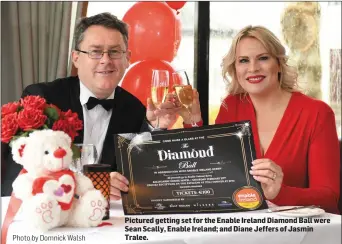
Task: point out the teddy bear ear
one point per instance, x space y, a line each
18 149
65 136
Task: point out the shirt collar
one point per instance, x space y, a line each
85 93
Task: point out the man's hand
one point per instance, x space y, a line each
167 112
118 183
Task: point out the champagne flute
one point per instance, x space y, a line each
159 88
88 155
184 91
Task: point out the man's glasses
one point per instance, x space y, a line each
98 54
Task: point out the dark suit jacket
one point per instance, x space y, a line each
128 116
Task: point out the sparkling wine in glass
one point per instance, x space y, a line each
183 90
88 155
159 88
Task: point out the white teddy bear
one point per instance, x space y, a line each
51 194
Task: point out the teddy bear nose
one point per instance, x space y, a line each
59 153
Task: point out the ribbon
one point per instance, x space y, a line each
105 224
13 207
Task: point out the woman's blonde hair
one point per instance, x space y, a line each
288 75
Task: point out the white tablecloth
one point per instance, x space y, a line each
328 233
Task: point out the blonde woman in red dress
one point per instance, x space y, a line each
298 155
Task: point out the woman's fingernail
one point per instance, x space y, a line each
253 162
252 167
251 172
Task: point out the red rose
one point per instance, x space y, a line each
64 126
31 118
9 127
69 123
72 119
35 102
9 108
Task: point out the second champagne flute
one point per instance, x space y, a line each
159 88
184 91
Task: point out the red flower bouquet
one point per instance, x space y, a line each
33 113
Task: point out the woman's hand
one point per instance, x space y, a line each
118 183
193 114
269 174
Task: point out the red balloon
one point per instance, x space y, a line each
154 31
176 5
178 37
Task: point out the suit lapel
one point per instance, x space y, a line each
75 106
117 106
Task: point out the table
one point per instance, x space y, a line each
329 233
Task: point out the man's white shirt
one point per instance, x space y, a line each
95 121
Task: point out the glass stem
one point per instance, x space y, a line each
157 126
193 124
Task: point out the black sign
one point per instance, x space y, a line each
202 169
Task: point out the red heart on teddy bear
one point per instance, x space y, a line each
66 188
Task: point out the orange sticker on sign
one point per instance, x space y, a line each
247 197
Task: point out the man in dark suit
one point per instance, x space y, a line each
101 56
